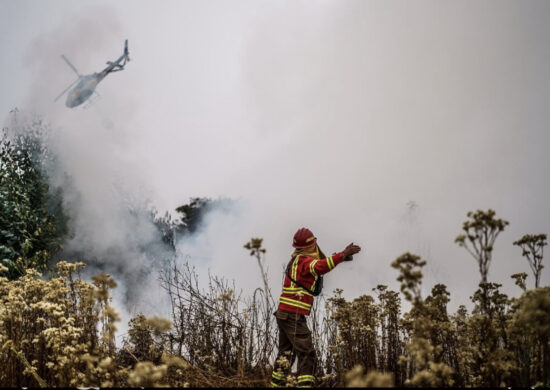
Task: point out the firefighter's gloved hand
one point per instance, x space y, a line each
350 250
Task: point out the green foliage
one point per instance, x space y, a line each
29 233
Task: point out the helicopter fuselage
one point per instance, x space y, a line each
82 91
85 87
87 84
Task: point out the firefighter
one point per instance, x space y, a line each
302 274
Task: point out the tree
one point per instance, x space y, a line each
481 231
532 246
193 213
29 234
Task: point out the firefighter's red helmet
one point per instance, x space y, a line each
304 238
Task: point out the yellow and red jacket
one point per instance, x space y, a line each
305 270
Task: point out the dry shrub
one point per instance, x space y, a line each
356 378
60 332
218 332
52 323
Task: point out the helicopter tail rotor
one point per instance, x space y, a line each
126 52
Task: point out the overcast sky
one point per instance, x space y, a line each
334 115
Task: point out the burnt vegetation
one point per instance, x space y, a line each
59 330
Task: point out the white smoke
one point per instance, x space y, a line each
331 116
105 183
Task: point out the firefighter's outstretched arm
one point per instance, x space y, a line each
320 267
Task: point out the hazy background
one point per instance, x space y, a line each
381 123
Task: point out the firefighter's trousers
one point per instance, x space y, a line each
294 341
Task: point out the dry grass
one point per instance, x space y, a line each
60 332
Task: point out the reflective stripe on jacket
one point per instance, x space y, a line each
305 270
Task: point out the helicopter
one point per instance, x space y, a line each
87 83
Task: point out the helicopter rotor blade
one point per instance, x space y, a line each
65 90
70 65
